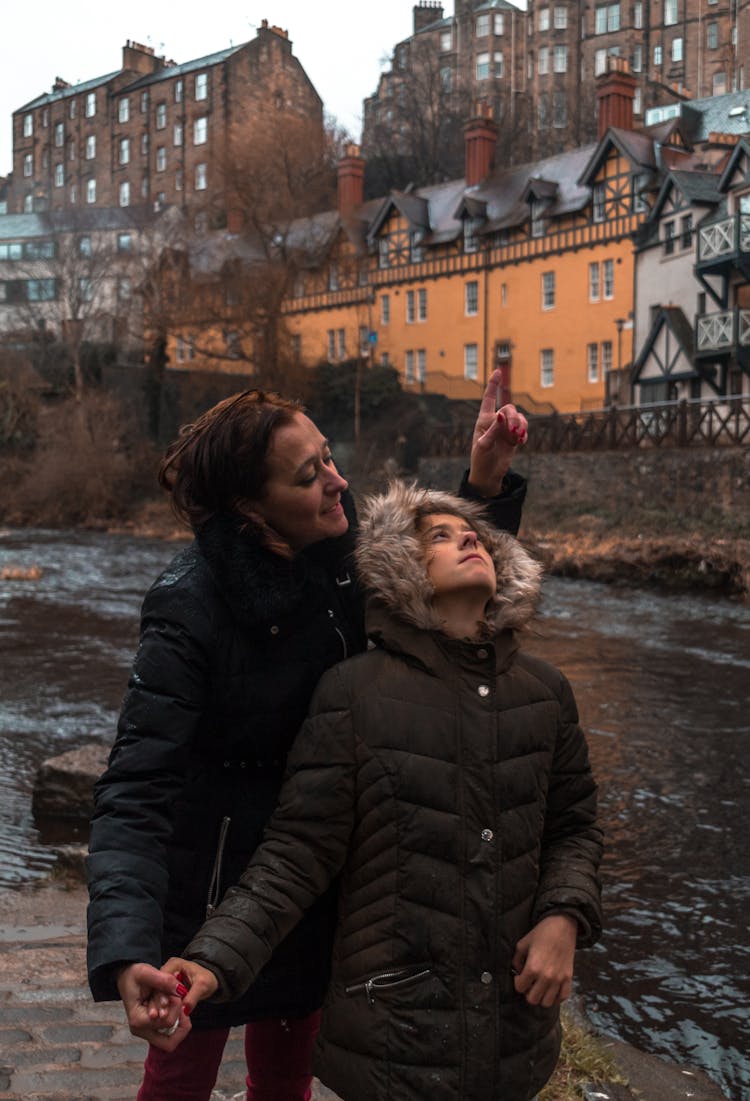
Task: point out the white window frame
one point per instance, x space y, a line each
385 309
606 357
91 190
608 279
161 159
90 109
594 281
408 366
124 193
548 290
483 66
446 41
201 86
498 67
547 368
670 13
560 58
499 24
410 307
59 175
421 364
91 147
201 177
471 298
200 130
542 61
28 164
28 126
124 156
422 304
543 19
561 18
482 26
160 117
592 362
123 109
471 361
677 51
59 135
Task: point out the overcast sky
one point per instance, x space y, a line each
340 43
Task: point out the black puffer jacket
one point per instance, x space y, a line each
449 782
234 640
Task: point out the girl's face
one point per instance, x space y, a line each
301 501
456 561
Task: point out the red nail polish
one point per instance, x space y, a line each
186 1010
181 990
181 977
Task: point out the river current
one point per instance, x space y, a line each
662 688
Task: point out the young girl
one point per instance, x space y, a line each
444 776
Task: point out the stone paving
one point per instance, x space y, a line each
57 1045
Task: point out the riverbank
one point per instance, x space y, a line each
56 1045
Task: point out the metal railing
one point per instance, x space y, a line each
719 422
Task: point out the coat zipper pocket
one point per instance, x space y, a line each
389 980
214 887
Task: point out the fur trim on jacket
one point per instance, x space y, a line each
390 558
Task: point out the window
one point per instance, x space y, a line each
657 55
592 361
607 19
547 367
483 66
422 304
124 242
471 298
144 186
471 231
543 60
28 125
90 191
416 251
677 49
333 277
28 164
670 12
482 26
84 246
543 19
59 176
719 84
561 59
638 102
201 86
201 177
409 366
28 204
446 78
177 134
71 151
593 282
45 118
471 361
144 102
384 253
123 110
124 193
669 236
638 15
59 134
559 109
637 62
124 150
161 159
161 116
178 87
421 364
600 62
503 294
385 309
499 23
40 290
613 17
498 64
606 356
548 290
687 231
342 343
561 19
446 41
608 278
124 289
86 289
90 105
598 200
537 218
600 21
91 147
331 344
411 312
39 250
200 131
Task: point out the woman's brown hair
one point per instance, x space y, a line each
221 460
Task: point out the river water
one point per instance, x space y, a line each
662 687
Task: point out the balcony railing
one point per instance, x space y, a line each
722 331
725 239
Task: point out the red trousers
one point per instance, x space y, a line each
278 1056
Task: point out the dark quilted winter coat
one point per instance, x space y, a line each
234 640
448 783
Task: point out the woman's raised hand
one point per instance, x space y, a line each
497 434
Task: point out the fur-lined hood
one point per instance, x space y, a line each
390 558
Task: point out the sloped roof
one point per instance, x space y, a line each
698 187
64 93
717 115
171 71
675 318
17 227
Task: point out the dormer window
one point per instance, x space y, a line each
537 217
471 234
384 252
416 248
598 202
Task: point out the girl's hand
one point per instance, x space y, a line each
201 982
543 961
497 434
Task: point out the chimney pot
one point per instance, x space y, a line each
480 139
351 180
615 94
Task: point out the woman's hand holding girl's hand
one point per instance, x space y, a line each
153 1004
201 982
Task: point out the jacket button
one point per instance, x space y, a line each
485 978
487 835
483 690
482 653
274 630
226 764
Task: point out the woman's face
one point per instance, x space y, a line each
301 501
456 561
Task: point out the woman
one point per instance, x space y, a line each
445 777
235 636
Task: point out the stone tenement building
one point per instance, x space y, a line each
154 132
536 68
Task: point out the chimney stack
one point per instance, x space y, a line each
480 139
351 180
615 93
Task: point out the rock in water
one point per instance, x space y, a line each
64 785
